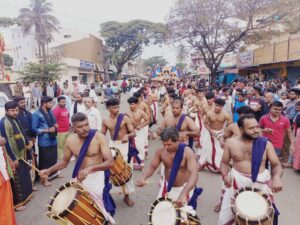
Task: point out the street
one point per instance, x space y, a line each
288 201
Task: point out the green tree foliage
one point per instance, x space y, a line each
125 41
41 72
38 17
181 66
217 27
8 61
155 61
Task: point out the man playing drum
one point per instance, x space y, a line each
181 173
139 119
93 160
121 131
249 153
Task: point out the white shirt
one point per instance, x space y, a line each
26 91
93 95
3 169
80 108
81 88
133 90
95 119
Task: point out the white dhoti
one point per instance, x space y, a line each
155 110
211 153
239 181
202 128
94 184
128 188
145 131
174 195
139 144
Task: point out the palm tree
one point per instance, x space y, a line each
38 17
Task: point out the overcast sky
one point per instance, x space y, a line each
86 15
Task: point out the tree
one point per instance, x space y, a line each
181 66
41 72
181 54
125 41
217 27
155 61
6 21
8 60
38 17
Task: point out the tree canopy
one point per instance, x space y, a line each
38 17
6 21
155 61
125 41
217 27
7 60
41 72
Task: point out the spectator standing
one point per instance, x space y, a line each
78 105
256 102
269 98
228 101
108 91
27 95
37 94
62 118
93 95
50 90
93 114
274 126
44 124
124 86
18 89
81 87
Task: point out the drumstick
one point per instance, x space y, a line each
33 167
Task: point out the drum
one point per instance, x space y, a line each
164 212
71 204
251 206
121 172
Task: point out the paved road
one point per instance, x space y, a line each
288 201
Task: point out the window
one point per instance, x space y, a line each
67 36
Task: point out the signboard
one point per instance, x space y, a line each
87 65
228 61
244 59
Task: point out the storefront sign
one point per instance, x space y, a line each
87 65
245 59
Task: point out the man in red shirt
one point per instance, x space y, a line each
274 125
62 118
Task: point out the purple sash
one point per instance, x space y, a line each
83 151
178 127
258 150
118 125
174 171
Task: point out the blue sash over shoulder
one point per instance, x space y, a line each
174 171
258 150
108 201
178 127
132 151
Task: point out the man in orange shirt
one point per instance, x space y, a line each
7 214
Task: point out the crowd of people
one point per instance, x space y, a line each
246 131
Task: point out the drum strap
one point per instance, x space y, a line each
83 152
178 127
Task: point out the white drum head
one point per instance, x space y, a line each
164 213
251 204
63 200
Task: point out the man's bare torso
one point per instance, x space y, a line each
183 173
241 155
93 155
216 120
110 123
135 117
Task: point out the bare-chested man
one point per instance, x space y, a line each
96 160
185 179
141 95
212 152
232 130
121 131
139 119
241 150
184 124
210 102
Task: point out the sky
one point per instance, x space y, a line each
85 16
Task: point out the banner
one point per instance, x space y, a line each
245 59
